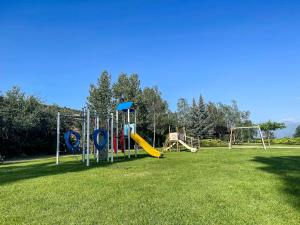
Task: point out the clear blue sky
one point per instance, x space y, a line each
243 50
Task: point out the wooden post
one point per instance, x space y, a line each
230 141
262 138
154 125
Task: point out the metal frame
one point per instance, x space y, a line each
129 132
125 121
57 138
85 141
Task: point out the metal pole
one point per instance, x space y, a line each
123 130
108 136
128 121
88 139
97 127
112 139
135 131
57 137
83 135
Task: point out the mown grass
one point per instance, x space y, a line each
213 186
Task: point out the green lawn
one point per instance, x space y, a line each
213 186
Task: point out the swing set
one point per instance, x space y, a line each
237 136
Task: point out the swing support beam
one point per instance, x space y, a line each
245 127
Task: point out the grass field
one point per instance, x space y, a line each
213 186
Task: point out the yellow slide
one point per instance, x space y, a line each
144 144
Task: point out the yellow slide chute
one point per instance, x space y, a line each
144 144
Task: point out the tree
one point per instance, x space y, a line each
127 87
100 97
156 112
233 116
200 125
194 119
183 110
28 126
206 128
120 89
217 119
269 127
297 132
134 92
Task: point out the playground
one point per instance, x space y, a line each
216 186
112 175
104 144
149 113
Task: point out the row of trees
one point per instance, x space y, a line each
269 128
153 111
201 119
28 126
208 120
297 132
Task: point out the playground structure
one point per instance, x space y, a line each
233 139
180 138
105 141
130 130
82 142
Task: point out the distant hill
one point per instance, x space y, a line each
288 131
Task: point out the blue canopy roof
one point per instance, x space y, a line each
124 106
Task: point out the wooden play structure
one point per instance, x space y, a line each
179 140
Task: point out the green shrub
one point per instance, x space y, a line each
286 141
282 141
213 143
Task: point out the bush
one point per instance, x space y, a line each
282 141
28 126
286 141
213 143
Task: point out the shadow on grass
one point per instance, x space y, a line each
14 172
288 169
